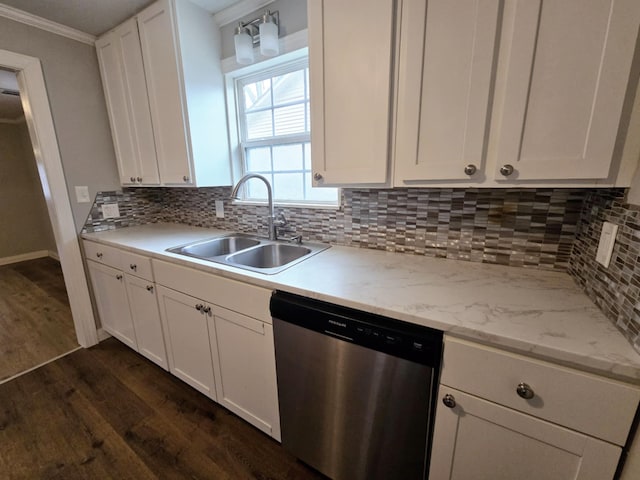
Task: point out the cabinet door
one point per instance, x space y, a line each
187 339
112 302
567 70
447 54
143 304
481 440
138 103
110 61
350 66
245 369
164 83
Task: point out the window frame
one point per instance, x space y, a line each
236 118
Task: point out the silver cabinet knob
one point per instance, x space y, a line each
506 170
149 288
470 169
317 177
185 178
133 179
207 310
449 401
525 391
118 277
99 254
139 179
133 266
199 307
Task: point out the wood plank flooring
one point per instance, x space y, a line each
35 319
107 412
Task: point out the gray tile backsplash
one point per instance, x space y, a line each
554 229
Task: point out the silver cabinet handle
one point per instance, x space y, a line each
199 307
506 170
207 310
525 391
449 401
118 277
317 177
133 179
149 288
133 267
470 169
99 254
185 178
139 179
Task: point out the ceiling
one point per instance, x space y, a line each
10 105
96 16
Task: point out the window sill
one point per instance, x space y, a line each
314 206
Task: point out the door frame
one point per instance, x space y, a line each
37 112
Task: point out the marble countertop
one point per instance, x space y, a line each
539 313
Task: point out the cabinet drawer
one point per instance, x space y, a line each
237 296
137 265
594 405
102 254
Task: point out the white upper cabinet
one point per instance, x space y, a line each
173 88
565 76
448 49
351 48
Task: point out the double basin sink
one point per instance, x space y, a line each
249 252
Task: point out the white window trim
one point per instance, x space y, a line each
236 150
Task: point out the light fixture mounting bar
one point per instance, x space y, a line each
252 26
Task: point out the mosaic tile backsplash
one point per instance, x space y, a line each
616 289
519 227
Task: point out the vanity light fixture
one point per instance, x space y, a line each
263 31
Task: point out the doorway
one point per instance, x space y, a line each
35 318
35 103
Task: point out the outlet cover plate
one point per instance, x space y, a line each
219 209
82 194
110 210
607 241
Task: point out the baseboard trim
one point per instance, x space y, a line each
102 334
24 256
54 255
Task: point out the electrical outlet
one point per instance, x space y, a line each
82 195
219 209
607 241
110 210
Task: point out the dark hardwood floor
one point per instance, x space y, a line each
107 412
35 319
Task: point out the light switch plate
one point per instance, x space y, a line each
607 241
110 210
219 209
82 195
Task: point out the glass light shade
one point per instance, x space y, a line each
244 48
269 45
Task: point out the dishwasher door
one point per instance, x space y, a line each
348 410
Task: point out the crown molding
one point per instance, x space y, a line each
239 10
44 24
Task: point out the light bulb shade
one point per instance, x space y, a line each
244 48
269 44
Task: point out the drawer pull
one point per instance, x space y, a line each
449 401
118 277
133 266
149 288
207 310
525 391
199 307
99 255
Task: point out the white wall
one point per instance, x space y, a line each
77 105
23 212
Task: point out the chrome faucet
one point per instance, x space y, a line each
271 218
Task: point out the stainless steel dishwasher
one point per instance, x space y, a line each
356 390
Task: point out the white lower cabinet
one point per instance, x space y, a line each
501 416
143 305
111 300
481 440
187 338
245 368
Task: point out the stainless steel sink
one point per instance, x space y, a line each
216 247
250 253
269 256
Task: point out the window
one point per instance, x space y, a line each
274 135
